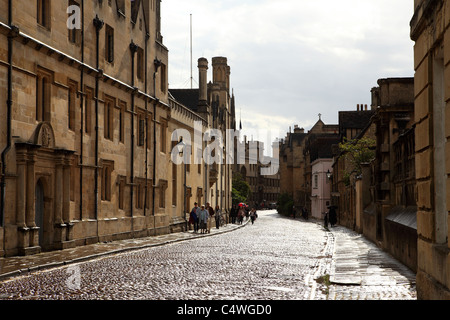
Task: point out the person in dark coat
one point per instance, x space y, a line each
193 218
332 216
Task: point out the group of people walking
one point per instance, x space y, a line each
201 216
237 215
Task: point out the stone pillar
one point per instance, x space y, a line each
30 190
60 227
21 157
66 191
31 205
66 202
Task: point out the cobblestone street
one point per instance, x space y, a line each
276 258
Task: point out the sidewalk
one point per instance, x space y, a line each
361 270
18 265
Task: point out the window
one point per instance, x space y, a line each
316 181
88 110
140 64
122 108
141 130
109 44
163 78
109 118
44 80
122 182
163 135
43 13
174 184
121 6
73 88
107 169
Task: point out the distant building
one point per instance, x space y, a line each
297 153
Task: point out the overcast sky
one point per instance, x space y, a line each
291 59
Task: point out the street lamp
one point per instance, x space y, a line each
181 149
329 174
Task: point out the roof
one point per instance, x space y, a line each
355 119
187 97
404 216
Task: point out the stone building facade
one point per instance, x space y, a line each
297 151
213 102
429 31
86 123
265 188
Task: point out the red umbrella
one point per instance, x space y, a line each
241 204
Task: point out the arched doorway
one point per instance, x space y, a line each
39 207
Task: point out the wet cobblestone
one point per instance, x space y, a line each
275 259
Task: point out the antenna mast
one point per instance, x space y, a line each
191 52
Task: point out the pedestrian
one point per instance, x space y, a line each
253 215
193 218
293 211
332 216
203 218
233 214
325 220
305 213
211 214
217 215
241 214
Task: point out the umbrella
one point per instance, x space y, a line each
241 204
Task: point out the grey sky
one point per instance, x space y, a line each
292 59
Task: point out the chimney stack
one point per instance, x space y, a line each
203 80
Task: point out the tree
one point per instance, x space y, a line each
357 151
285 204
240 189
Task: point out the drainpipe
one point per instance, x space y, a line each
81 107
98 24
133 49
157 64
14 32
147 38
